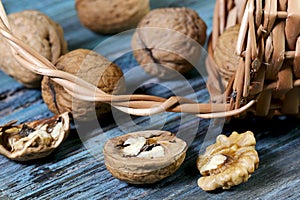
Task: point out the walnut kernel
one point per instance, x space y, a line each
228 162
111 16
40 33
214 163
133 146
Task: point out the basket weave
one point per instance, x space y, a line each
268 47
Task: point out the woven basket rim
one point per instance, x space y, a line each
263 25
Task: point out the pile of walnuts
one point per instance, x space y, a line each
171 48
166 43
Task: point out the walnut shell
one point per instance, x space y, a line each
228 162
93 68
144 157
39 32
224 55
112 16
171 38
32 140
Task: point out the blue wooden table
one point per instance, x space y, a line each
76 169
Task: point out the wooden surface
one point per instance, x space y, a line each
76 169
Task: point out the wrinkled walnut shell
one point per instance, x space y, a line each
32 140
171 38
40 33
112 16
136 169
224 55
228 162
93 68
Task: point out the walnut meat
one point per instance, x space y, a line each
112 16
91 67
35 139
40 33
171 38
228 162
224 55
144 157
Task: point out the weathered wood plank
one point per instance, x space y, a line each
76 169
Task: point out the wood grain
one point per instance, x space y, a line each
76 169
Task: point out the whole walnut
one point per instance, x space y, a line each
40 33
91 67
111 16
171 38
224 55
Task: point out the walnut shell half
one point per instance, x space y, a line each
144 157
228 162
34 139
40 33
171 38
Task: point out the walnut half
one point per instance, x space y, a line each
228 162
144 157
35 139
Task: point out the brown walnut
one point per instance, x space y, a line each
144 157
91 67
40 33
224 55
171 38
228 162
34 139
111 16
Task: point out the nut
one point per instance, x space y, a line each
35 139
93 68
144 157
228 162
171 38
224 55
133 146
214 163
39 32
112 16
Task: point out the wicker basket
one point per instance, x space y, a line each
268 47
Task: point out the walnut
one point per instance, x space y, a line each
39 32
170 38
93 68
34 139
228 162
112 16
224 54
144 157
